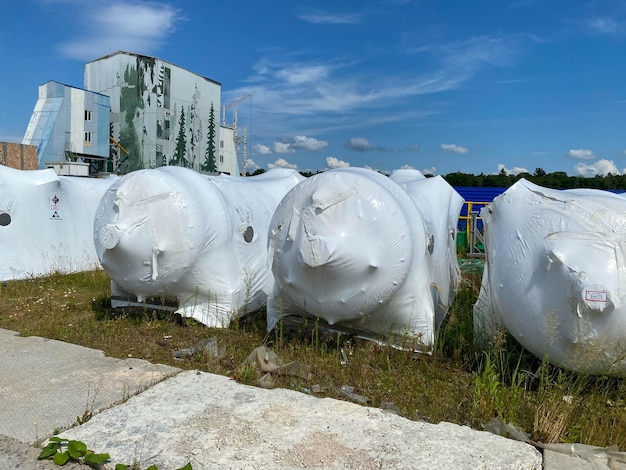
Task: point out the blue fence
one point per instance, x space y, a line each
475 200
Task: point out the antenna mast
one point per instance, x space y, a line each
236 139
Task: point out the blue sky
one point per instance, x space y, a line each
440 86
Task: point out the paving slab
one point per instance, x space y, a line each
582 457
45 385
212 421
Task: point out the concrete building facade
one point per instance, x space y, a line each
161 114
69 124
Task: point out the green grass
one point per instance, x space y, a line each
456 383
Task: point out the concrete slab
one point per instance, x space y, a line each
559 461
214 422
46 384
582 457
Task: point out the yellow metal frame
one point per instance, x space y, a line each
474 238
468 218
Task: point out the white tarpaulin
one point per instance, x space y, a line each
371 253
200 240
555 275
46 222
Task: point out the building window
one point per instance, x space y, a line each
221 158
87 137
88 115
221 144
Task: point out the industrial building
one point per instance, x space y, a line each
161 114
135 112
69 124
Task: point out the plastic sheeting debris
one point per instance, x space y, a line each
265 360
497 426
46 222
200 240
208 347
555 275
357 249
472 265
348 392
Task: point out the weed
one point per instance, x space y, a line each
246 374
91 403
457 383
37 442
280 338
249 277
62 451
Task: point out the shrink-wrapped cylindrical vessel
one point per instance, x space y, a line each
46 222
555 275
351 246
200 240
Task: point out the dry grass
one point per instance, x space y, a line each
456 383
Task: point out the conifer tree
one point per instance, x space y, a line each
179 158
209 164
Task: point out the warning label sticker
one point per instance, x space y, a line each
596 295
54 208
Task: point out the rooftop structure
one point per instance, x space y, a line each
69 124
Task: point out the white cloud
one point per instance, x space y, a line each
601 167
330 18
282 163
333 94
299 74
251 165
262 149
122 25
360 144
516 170
454 148
477 51
301 142
581 154
283 147
464 58
333 162
604 25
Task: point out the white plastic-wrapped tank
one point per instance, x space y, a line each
46 222
555 275
364 252
172 233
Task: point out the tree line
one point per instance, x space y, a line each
555 180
